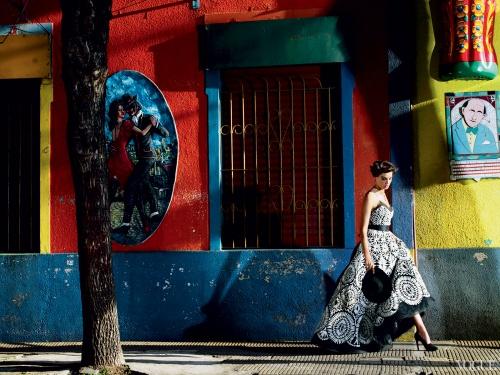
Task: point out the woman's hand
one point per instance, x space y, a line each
369 265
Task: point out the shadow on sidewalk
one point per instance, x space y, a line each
42 347
37 366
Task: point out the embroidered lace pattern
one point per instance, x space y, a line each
350 318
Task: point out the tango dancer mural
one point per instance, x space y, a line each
142 156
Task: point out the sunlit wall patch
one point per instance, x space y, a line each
142 150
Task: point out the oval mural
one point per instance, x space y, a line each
142 149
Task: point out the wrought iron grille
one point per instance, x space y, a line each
281 168
20 187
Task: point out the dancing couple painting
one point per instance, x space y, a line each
142 156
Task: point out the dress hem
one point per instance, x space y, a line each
384 335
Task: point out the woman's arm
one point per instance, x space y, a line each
144 131
368 204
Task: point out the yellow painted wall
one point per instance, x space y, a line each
449 214
46 94
25 56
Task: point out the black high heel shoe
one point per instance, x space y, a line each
430 347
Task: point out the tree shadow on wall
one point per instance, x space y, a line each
176 63
265 295
437 27
428 131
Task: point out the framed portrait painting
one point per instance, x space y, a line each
472 129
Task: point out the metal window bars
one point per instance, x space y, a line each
281 168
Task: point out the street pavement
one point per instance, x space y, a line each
259 358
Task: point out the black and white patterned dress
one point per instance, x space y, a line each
351 322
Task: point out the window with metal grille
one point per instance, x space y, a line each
20 186
281 163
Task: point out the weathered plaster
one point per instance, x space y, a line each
265 295
464 284
234 295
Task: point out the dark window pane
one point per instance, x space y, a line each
20 185
281 167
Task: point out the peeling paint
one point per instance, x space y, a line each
480 257
242 277
167 285
10 318
19 299
210 292
286 267
298 320
332 266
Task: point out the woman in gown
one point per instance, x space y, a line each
352 323
119 164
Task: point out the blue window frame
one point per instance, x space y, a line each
213 92
303 41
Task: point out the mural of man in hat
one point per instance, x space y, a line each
138 184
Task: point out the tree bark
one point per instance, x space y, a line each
85 29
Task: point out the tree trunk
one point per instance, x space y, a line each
85 29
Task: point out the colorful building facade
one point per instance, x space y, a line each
188 279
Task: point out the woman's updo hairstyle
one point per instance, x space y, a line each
382 166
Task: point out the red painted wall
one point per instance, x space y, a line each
159 39
371 119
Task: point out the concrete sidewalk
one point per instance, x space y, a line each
217 358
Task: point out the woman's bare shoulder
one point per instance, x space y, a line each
371 198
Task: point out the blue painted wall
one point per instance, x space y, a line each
265 295
233 295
